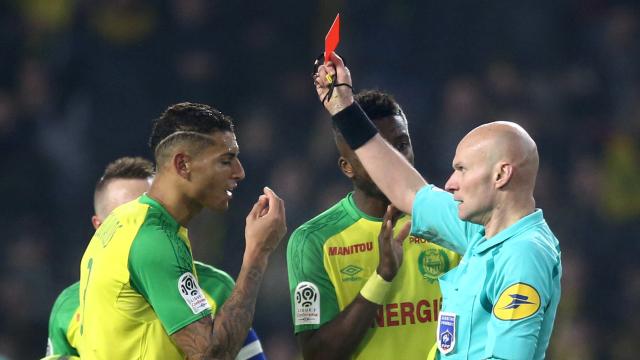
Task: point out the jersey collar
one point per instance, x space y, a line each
355 212
145 199
531 220
358 214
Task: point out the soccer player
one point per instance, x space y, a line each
331 257
501 301
139 295
124 180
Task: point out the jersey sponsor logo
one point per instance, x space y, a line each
432 263
446 332
307 306
351 271
351 249
416 240
518 301
407 313
192 294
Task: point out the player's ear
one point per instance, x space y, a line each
503 174
96 222
345 166
182 165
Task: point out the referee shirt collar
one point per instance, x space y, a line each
527 222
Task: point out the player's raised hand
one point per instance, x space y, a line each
333 84
266 225
391 247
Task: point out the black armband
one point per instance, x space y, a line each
354 125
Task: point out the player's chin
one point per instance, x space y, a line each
218 205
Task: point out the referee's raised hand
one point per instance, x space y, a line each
390 247
334 79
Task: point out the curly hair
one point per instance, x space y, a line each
377 104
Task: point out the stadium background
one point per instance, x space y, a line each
80 81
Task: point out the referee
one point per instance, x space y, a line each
501 301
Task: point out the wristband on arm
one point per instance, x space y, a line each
354 125
376 289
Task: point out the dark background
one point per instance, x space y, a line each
80 81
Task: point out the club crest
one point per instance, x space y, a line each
432 263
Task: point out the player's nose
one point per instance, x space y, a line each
238 173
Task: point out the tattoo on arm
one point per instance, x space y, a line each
234 319
222 339
195 339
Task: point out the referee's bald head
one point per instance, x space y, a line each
495 168
509 143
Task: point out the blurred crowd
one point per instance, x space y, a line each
81 80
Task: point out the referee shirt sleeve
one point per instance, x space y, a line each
161 269
521 294
434 217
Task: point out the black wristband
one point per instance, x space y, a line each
354 125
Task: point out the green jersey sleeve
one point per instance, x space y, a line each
434 217
216 283
313 297
161 269
62 312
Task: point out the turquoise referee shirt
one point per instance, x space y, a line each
501 301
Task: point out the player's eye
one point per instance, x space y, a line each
402 146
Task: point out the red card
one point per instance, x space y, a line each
332 39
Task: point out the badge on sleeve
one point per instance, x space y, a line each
192 294
446 332
517 302
307 306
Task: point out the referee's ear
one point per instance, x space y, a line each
504 172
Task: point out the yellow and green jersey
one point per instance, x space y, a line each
137 285
64 321
330 258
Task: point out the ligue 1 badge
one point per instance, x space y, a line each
446 332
